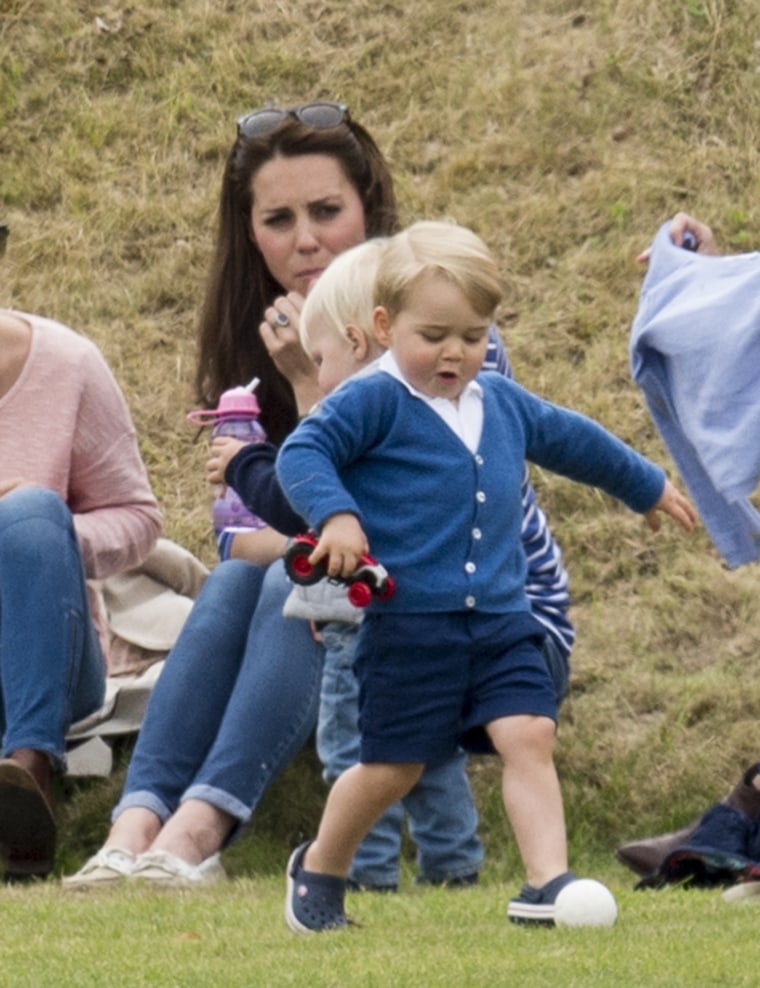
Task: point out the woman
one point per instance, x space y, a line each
240 691
72 511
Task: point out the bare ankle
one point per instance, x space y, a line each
134 830
195 832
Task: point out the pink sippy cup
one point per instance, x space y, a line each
237 415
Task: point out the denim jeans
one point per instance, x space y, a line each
235 702
52 670
440 809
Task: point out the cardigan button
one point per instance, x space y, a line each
469 601
470 567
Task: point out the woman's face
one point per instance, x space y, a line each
305 212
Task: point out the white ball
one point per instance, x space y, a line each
585 902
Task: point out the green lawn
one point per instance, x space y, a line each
236 935
564 134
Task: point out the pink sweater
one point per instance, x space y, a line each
65 425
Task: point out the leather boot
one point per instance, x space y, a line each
27 823
37 764
645 856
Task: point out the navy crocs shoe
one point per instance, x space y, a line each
313 902
536 906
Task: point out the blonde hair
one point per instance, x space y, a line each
433 248
342 295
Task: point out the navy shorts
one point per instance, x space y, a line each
430 682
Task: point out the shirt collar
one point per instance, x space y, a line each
389 364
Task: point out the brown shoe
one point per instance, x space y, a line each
27 824
645 856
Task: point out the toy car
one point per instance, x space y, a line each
368 580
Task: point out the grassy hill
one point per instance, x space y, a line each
564 133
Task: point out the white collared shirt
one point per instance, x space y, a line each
465 418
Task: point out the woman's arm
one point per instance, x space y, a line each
116 515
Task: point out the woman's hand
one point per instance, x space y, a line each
280 335
223 448
672 502
681 225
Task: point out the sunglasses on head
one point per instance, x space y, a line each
321 116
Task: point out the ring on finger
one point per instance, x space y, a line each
281 319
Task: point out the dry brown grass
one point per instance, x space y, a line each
565 133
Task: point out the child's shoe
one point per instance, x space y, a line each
313 902
534 905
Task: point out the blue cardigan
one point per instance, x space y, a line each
445 522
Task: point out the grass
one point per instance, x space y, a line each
565 134
237 936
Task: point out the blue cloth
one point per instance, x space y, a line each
235 702
724 849
56 676
443 821
429 682
695 353
450 531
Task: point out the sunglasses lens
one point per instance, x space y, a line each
260 122
322 116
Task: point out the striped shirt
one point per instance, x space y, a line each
547 585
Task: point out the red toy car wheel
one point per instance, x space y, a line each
359 594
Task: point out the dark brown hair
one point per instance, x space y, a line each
240 286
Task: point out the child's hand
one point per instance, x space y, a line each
343 542
673 503
223 448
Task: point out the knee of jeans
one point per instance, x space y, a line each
22 510
234 575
